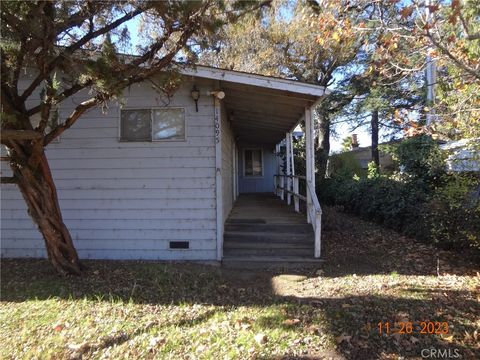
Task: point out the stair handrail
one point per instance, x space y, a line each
314 210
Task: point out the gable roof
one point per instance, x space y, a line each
245 78
261 109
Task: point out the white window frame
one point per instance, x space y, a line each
263 163
152 109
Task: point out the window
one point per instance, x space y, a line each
152 124
253 162
168 124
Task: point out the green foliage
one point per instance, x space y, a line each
379 199
347 143
452 214
299 156
448 216
345 165
372 171
423 202
421 158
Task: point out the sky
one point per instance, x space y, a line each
342 130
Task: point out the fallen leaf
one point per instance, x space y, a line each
448 338
406 11
290 322
261 338
200 348
343 338
154 341
79 349
312 329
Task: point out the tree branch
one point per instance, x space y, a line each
8 135
76 19
76 46
460 64
8 180
474 36
79 110
65 94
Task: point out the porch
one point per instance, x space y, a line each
262 228
254 119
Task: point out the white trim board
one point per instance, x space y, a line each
255 80
218 176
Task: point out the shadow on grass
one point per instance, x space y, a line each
351 320
81 350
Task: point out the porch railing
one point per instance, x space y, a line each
287 186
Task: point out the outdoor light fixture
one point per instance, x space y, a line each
195 96
219 94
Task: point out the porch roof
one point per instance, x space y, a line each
261 109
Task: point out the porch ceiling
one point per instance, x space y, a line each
263 115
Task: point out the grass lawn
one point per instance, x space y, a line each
184 311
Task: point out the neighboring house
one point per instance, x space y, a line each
156 178
462 155
361 156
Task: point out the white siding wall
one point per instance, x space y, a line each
227 165
127 200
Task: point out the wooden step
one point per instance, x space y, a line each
274 228
266 237
246 221
268 252
270 262
268 245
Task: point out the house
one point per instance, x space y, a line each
358 159
462 155
157 177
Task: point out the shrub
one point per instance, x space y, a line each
422 201
445 216
421 158
345 165
452 214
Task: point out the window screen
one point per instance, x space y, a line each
136 125
253 162
168 124
152 124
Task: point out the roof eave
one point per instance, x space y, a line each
255 80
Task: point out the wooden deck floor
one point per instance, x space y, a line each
261 228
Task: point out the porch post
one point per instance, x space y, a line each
237 192
234 169
312 148
218 176
289 180
277 172
294 179
309 157
292 158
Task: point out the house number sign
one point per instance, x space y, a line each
217 122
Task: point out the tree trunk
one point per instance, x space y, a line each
34 179
374 128
323 146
